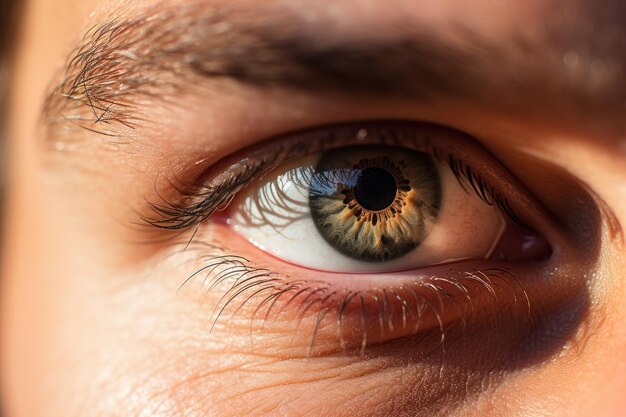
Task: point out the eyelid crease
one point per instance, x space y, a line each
217 187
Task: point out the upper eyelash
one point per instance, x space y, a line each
487 193
198 203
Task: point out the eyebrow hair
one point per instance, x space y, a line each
122 64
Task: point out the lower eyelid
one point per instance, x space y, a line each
329 313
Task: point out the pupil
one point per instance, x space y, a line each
375 189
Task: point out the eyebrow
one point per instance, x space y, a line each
124 63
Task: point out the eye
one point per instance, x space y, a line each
379 207
366 232
369 208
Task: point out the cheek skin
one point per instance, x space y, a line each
142 350
124 338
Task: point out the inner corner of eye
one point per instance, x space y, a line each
375 208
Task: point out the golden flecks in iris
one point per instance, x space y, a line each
402 189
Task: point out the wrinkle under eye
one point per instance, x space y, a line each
375 203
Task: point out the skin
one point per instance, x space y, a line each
92 321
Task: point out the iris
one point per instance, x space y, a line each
375 203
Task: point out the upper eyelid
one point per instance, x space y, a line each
218 184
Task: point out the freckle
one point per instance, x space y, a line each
571 59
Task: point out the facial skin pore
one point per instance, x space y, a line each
110 100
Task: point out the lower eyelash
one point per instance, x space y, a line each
359 318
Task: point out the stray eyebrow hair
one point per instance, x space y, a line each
122 64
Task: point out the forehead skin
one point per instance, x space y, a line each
51 30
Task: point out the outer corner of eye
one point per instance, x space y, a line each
378 207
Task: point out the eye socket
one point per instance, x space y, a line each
472 209
369 208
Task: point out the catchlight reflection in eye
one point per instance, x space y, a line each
371 208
